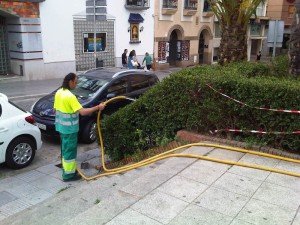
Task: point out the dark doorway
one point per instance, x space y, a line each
173 48
4 58
201 49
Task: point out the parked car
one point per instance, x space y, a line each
93 87
19 135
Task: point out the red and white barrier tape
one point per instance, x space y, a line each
256 131
254 107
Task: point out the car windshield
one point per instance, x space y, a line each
88 86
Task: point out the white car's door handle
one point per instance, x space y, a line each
2 129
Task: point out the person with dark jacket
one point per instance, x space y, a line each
124 58
258 56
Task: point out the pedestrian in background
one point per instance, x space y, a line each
67 110
148 60
132 62
258 56
124 58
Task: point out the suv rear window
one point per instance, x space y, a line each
139 82
119 87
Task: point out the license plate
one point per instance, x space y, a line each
41 126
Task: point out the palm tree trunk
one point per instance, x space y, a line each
294 47
233 45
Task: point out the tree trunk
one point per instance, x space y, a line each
233 46
294 47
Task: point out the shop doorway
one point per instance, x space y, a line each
173 48
201 48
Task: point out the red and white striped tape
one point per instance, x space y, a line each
254 107
256 131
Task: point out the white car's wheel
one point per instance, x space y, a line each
20 153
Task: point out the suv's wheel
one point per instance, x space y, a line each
20 153
89 132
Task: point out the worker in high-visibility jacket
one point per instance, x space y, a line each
67 110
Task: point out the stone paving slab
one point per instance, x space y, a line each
238 184
183 188
6 197
285 181
222 201
278 195
204 171
132 217
105 210
160 206
173 191
195 215
262 213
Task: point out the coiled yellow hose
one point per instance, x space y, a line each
167 154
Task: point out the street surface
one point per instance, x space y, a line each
24 94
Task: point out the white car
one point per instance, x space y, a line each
19 136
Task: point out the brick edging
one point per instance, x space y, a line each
189 136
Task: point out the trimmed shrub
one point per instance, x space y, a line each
184 101
280 66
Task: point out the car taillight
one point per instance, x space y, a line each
30 119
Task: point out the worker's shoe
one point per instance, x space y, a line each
76 177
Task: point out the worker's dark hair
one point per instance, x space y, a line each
65 84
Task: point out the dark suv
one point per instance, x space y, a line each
93 87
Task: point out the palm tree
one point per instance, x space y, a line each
233 16
294 46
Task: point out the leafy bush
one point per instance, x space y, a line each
250 69
184 101
280 66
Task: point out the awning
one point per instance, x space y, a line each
135 18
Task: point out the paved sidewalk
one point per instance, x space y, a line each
172 191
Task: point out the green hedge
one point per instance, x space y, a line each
184 101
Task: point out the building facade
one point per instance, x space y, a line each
134 27
44 39
282 10
183 33
20 36
256 34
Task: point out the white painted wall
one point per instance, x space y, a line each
57 29
58 34
121 14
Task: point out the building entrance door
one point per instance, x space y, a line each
201 49
4 59
173 48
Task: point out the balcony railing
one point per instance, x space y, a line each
137 4
190 5
170 4
169 7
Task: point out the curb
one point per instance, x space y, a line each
189 136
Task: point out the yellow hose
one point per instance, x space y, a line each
167 154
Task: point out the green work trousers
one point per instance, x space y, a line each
68 144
